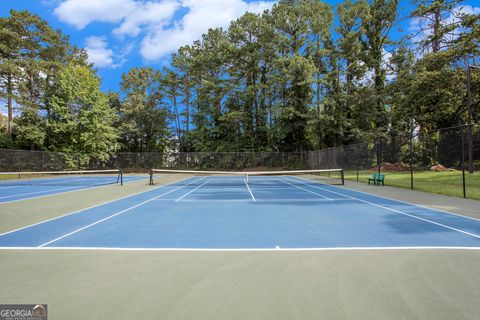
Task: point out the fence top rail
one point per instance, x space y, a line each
63 172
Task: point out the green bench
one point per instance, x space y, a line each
377 178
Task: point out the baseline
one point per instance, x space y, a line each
277 249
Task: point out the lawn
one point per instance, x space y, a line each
447 182
8 176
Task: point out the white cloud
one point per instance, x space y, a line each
158 23
202 15
82 12
467 9
421 27
151 14
98 52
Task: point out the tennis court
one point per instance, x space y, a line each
16 186
236 245
241 212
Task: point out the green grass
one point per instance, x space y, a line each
447 182
8 176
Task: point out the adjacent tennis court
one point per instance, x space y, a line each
16 186
241 211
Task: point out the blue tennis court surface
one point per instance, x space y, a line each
271 213
15 190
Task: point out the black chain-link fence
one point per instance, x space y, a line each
435 161
26 160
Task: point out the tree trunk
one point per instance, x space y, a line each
436 32
187 105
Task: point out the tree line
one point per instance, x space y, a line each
302 76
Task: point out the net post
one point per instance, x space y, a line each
120 172
342 174
151 177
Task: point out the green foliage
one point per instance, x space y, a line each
30 129
144 118
81 119
303 75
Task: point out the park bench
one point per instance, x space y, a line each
377 178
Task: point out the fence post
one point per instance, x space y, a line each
379 155
356 167
463 163
411 160
17 160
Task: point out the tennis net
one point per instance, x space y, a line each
62 178
260 178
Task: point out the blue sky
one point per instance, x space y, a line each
121 34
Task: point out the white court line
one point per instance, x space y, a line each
9 187
274 249
328 200
246 200
413 204
125 180
400 212
115 214
304 189
80 188
396 200
86 180
42 191
249 200
186 194
88 208
253 198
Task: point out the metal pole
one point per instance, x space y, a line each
379 151
356 167
411 161
470 136
463 164
470 117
